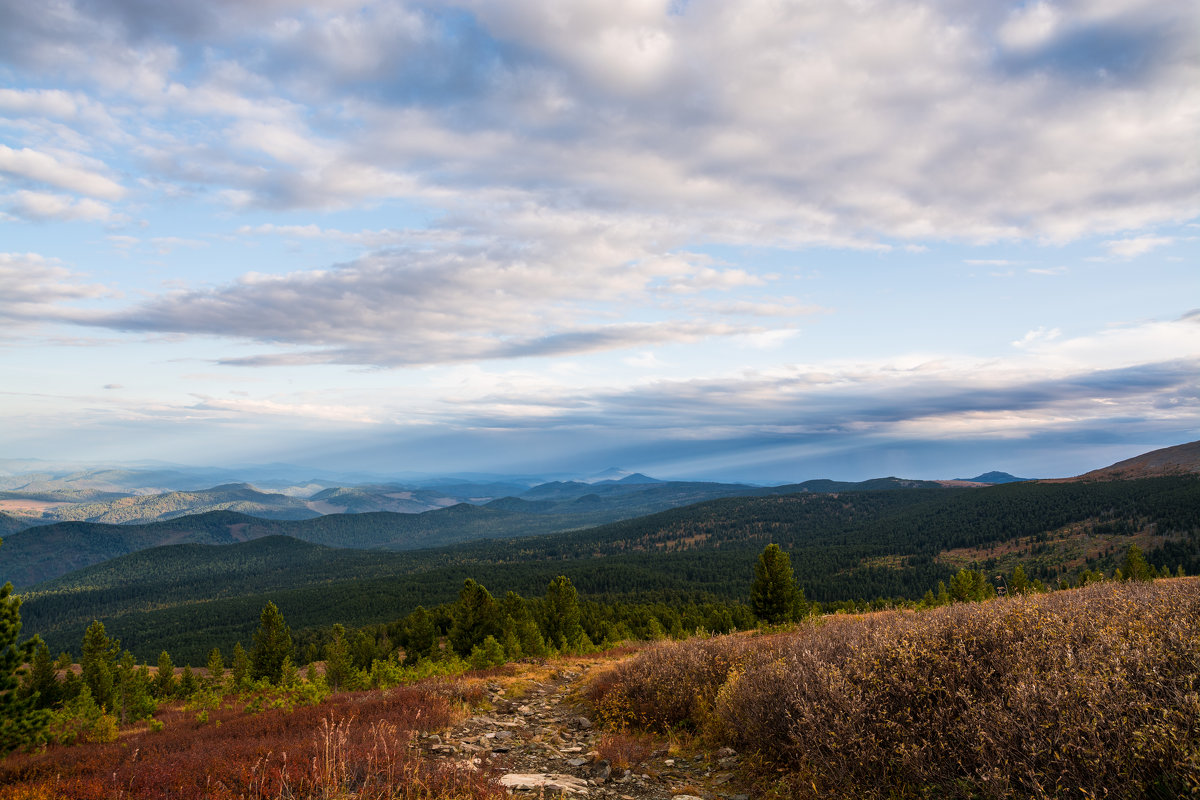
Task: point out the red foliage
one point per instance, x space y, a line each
353 743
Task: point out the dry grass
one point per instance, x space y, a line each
1088 693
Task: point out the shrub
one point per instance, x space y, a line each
1093 692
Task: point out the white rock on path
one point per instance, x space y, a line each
568 784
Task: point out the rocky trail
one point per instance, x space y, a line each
538 739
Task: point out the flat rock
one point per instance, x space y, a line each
567 784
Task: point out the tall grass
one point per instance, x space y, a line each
1088 693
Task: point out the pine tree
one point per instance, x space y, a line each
165 685
1018 583
272 644
99 662
562 617
187 682
215 667
420 636
476 617
1134 567
21 721
773 592
239 672
338 664
41 681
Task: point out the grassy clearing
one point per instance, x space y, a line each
1092 692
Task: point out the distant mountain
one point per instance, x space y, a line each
240 497
993 478
49 551
1183 459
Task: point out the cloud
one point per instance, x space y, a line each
33 288
981 124
1136 246
43 206
58 172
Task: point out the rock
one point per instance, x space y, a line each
725 752
670 762
567 784
435 739
577 762
501 736
601 770
686 797
583 723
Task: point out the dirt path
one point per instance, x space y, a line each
544 746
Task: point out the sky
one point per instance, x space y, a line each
768 240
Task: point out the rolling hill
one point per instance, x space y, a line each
843 546
48 551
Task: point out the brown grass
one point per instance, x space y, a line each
1088 693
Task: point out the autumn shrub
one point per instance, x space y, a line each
625 750
356 744
669 683
1088 693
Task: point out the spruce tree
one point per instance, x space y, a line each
21 721
272 644
165 685
239 671
773 592
1134 567
99 663
476 617
339 667
215 667
42 679
420 636
562 616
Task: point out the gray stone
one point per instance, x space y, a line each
567 784
577 762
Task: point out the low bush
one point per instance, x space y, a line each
354 745
1088 693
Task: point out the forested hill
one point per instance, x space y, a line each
44 553
843 546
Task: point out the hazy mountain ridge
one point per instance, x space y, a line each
844 545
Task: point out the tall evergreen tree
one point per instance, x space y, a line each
215 667
239 671
476 616
165 684
272 644
1134 567
420 636
99 663
42 679
21 721
562 616
773 592
339 666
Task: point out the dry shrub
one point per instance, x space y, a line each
668 684
1088 693
357 744
625 750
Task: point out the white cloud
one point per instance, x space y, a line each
1136 246
60 172
33 287
42 206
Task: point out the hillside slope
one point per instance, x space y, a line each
843 546
1183 459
